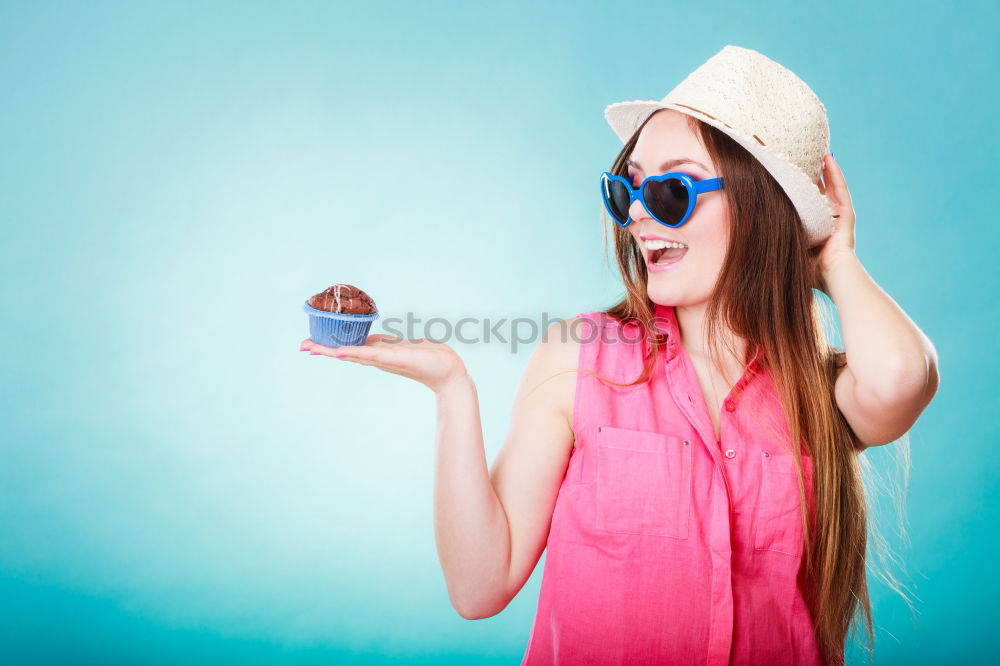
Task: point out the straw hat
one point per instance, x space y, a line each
767 109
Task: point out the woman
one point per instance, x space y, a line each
651 444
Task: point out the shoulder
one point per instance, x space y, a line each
590 322
550 374
571 339
559 347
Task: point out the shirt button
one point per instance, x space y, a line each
730 453
730 406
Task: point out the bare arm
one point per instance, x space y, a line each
469 523
891 373
491 525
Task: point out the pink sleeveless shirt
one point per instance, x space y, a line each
666 545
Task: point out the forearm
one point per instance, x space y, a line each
470 524
886 351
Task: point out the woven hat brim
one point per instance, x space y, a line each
812 206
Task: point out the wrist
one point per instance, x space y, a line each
460 381
837 264
841 278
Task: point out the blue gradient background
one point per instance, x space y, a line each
179 484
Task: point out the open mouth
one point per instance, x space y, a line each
666 256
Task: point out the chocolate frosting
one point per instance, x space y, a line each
344 299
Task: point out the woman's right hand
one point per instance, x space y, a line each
433 364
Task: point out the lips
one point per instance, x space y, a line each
664 264
646 237
666 254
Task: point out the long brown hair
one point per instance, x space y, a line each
765 296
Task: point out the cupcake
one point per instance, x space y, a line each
340 315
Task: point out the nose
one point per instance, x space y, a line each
642 223
638 213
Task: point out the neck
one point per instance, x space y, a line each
694 336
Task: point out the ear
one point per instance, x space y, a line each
815 275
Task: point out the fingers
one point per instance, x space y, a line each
840 195
367 353
379 363
379 351
379 338
317 348
376 351
376 356
382 337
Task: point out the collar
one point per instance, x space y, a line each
665 321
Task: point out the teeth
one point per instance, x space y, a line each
659 245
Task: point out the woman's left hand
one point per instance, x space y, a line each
840 244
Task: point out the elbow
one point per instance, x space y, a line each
922 381
908 379
933 378
480 612
928 378
475 616
480 598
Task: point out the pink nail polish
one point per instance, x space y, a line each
312 353
339 355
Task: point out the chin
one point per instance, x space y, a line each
671 295
663 296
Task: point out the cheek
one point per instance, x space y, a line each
711 238
710 229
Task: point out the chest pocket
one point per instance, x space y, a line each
778 523
643 482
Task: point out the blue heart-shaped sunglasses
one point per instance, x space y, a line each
669 198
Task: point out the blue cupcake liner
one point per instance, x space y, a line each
333 329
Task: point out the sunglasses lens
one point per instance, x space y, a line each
667 199
618 199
